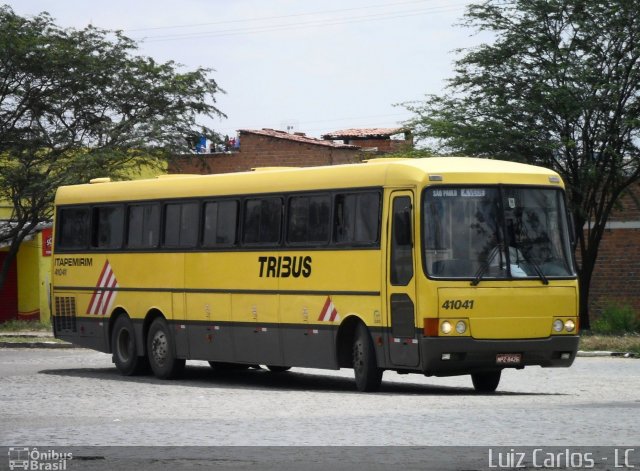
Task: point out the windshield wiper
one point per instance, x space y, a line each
485 266
536 267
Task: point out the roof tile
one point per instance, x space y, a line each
297 137
363 133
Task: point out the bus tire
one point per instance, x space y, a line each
162 354
278 369
124 348
486 382
365 368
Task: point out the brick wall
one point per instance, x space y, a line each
383 145
265 151
629 209
616 277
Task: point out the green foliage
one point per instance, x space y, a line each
78 104
558 86
615 320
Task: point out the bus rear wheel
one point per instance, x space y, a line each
365 368
124 348
486 382
162 353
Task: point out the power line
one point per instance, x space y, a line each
314 23
263 18
352 118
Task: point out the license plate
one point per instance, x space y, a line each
508 358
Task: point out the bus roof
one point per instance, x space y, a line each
391 172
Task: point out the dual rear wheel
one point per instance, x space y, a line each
161 352
160 356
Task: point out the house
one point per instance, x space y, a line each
268 148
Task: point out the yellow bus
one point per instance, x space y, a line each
438 266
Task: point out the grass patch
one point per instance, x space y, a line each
622 343
25 326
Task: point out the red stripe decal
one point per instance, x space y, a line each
104 268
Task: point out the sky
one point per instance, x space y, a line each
307 66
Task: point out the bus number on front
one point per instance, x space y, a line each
458 304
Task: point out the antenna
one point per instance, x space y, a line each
290 125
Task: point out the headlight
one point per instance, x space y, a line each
461 327
558 325
446 327
569 325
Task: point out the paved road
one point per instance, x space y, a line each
76 398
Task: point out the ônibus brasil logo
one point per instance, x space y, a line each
41 460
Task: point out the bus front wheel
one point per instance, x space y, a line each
365 368
125 350
162 355
278 369
486 382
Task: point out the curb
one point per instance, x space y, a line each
26 335
596 354
50 345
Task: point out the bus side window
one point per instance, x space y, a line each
357 218
73 228
262 221
144 226
108 226
181 225
220 223
309 220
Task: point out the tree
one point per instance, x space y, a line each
76 104
559 86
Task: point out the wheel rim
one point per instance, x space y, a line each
124 345
159 346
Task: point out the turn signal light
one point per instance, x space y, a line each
430 327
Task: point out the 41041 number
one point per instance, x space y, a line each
458 304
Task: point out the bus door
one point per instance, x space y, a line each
401 307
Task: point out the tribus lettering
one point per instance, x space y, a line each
285 266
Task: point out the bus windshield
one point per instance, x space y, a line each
496 232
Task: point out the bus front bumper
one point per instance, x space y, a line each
464 355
